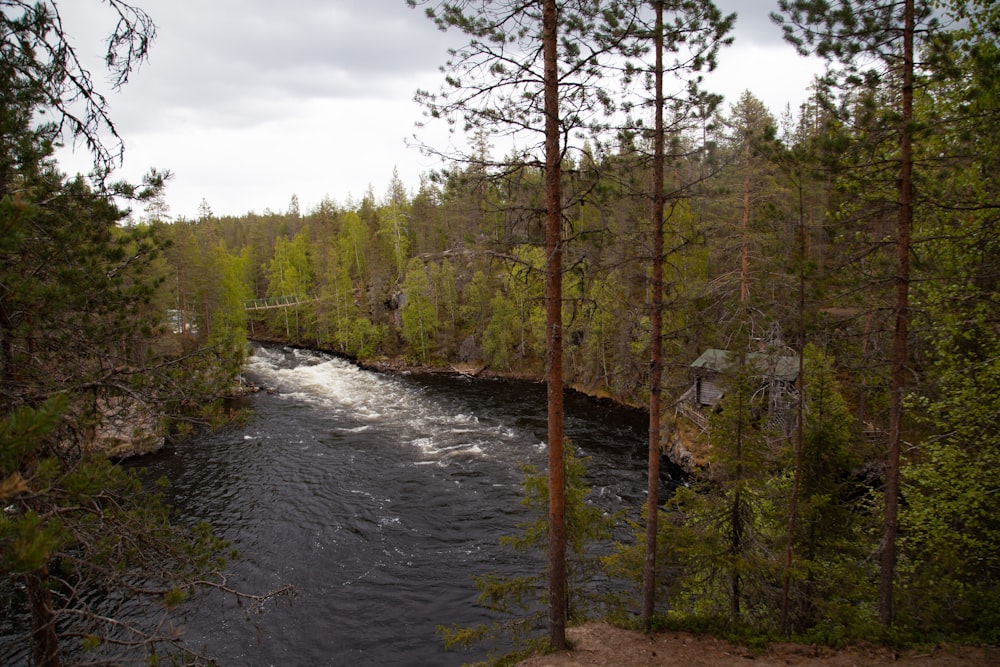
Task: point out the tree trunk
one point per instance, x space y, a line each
899 347
793 501
745 250
656 340
736 515
44 642
553 326
182 289
7 371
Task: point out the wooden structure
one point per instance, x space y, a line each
710 373
274 302
773 374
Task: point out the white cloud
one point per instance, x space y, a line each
773 73
248 102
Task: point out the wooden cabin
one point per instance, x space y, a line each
774 374
710 374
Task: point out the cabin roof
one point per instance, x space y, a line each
781 366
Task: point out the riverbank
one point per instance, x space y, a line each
400 365
677 445
603 645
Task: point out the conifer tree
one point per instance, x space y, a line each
691 34
949 566
874 43
826 536
86 357
530 69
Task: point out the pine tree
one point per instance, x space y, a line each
950 573
692 38
86 357
874 41
546 91
825 579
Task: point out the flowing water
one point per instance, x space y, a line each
379 498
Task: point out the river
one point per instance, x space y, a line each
378 497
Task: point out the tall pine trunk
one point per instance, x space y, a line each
553 331
887 571
656 338
745 248
793 500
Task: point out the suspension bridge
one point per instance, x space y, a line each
287 301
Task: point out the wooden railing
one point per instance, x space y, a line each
274 302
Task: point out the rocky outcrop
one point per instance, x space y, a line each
127 428
683 446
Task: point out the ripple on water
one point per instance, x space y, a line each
378 498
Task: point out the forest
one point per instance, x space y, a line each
781 239
818 287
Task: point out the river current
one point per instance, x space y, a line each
378 497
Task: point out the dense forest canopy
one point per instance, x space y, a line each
781 249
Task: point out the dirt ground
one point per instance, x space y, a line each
603 645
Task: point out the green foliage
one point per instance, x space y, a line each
229 320
352 246
29 542
603 328
521 633
290 270
21 431
859 34
951 567
476 302
721 539
445 289
828 584
290 273
420 318
92 523
88 363
516 330
587 527
393 233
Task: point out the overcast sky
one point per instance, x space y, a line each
248 102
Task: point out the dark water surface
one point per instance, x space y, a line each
378 497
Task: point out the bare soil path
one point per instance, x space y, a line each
603 645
